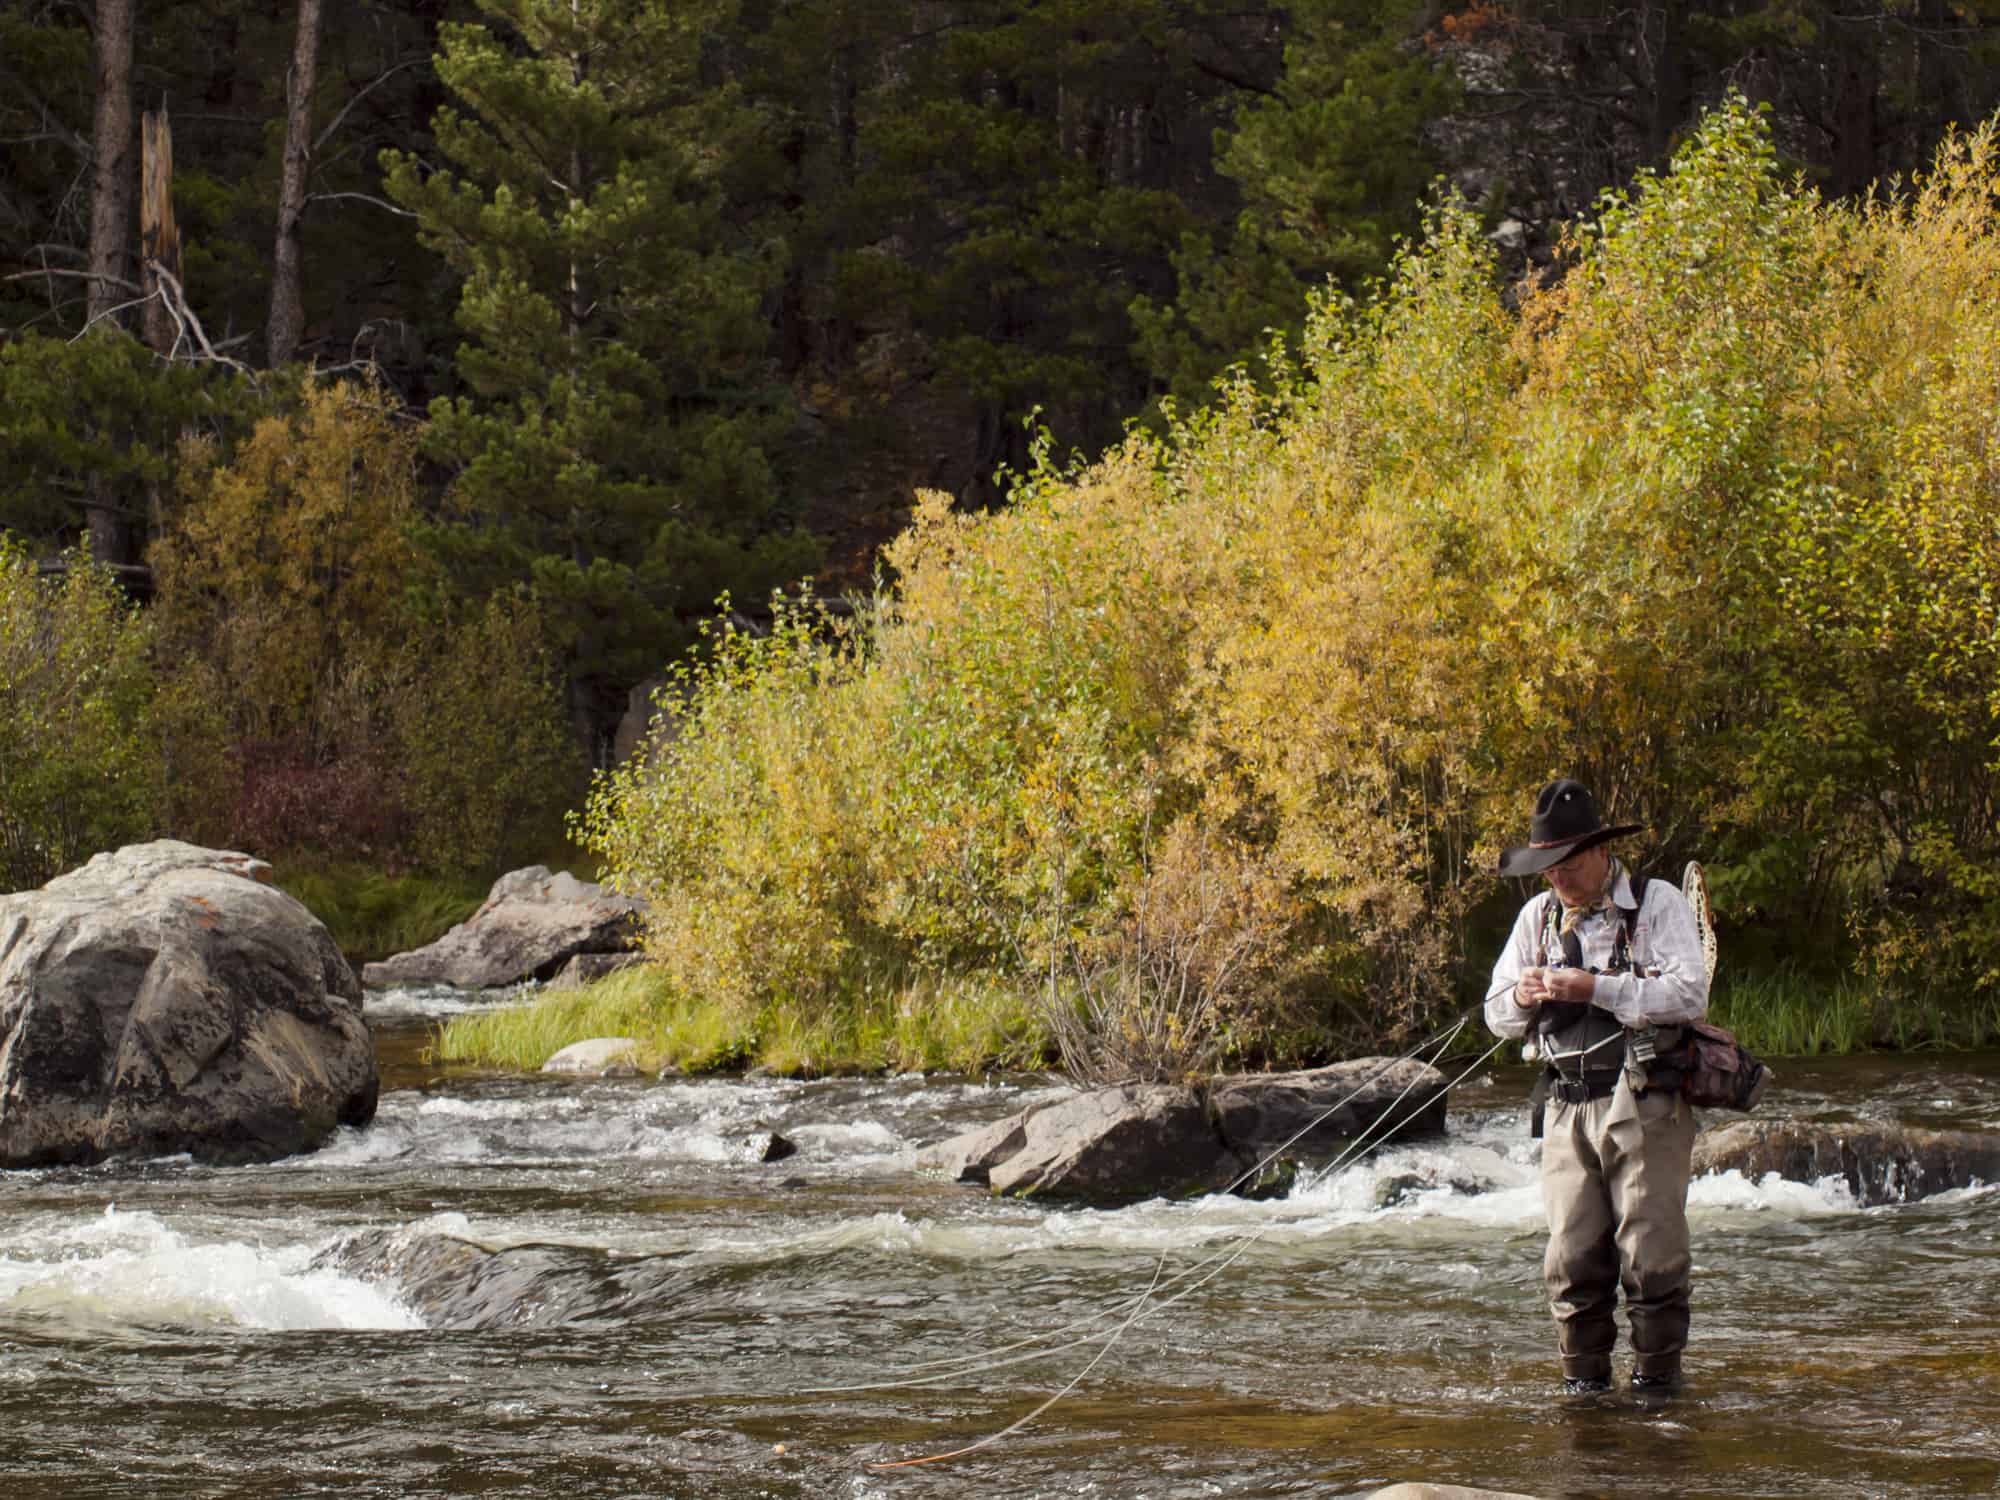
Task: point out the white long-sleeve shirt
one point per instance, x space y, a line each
1665 941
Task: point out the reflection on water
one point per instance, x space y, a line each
697 1322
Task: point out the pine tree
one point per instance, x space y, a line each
1331 165
613 442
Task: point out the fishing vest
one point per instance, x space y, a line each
1583 1047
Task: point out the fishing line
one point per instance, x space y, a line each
1144 1306
960 1365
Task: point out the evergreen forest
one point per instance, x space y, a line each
1117 504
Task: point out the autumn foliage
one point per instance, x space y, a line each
1234 723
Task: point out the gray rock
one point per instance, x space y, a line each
1881 1162
1116 1145
532 923
588 968
971 1157
1318 1111
767 1145
1442 1492
600 1057
646 728
164 999
460 1284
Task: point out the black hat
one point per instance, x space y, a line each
1565 822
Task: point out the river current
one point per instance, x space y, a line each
713 1325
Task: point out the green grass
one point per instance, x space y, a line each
372 915
925 1025
1787 1012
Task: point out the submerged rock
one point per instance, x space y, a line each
1115 1145
1881 1163
457 1283
165 999
532 923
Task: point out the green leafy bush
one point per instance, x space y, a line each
80 769
324 699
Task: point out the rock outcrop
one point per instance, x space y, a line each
1115 1145
165 999
1880 1162
533 922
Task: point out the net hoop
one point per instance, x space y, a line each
1694 886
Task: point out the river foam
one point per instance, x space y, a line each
133 1271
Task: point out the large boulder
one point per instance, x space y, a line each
1881 1162
1316 1112
165 999
1114 1145
972 1155
531 925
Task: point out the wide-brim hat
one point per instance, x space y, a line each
1565 823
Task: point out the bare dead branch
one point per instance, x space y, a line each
401 213
116 281
366 89
174 298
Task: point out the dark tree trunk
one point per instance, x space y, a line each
1672 98
111 149
288 310
111 533
1854 165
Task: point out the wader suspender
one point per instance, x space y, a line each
1559 1015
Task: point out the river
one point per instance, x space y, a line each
697 1320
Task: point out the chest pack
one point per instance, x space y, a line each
1585 1050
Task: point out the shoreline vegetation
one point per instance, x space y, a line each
964 1025
982 1029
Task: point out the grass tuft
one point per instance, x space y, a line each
1788 1012
960 1024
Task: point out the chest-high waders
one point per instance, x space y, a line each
1584 1048
1614 1175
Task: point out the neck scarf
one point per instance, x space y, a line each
1573 916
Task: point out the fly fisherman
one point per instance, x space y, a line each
1599 977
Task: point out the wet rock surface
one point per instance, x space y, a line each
165 999
1319 1110
458 1283
1880 1162
1132 1141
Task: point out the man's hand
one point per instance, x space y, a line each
1539 985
